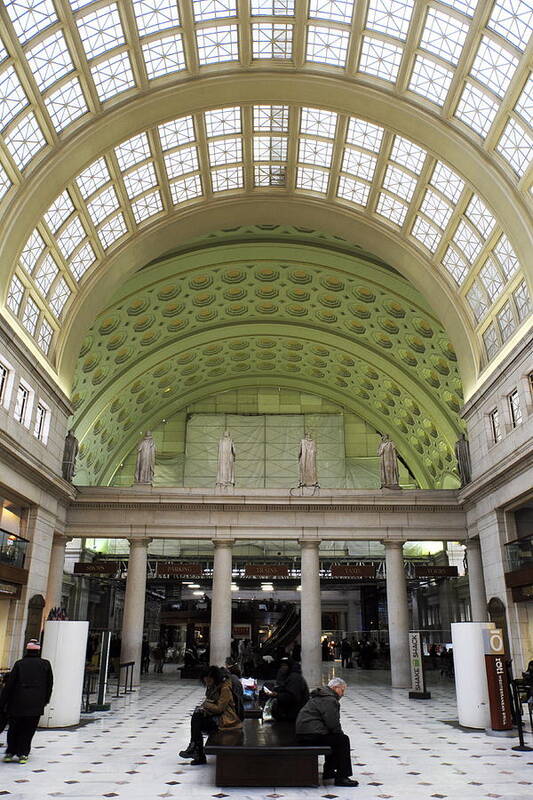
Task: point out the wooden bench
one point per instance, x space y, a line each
263 755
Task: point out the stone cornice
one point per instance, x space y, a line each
511 466
24 463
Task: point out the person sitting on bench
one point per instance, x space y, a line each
319 722
290 692
215 713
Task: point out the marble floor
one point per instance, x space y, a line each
401 750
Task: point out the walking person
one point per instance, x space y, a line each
26 692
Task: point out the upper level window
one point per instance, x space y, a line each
514 407
21 406
41 420
494 417
4 375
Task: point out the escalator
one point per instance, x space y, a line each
285 632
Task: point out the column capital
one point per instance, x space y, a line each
61 538
223 542
309 543
393 543
142 541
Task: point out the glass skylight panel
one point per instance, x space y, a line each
30 16
187 189
60 209
5 183
15 295
163 56
430 79
478 213
270 148
477 301
25 140
225 151
271 118
31 251
113 76
464 6
426 233
12 96
59 297
3 52
353 191
66 104
380 58
491 279
312 180
270 175
44 339
506 256
82 260
476 109
494 66
512 19
408 154
491 341
101 30
506 321
436 208
71 237
46 273
334 10
181 161
318 122
271 40
360 164
217 44
313 151
132 151
524 104
443 35
49 60
390 16
213 9
147 206
516 146
454 263
469 241
447 182
140 180
155 15
364 134
30 315
522 301
94 176
223 121
391 209
77 4
103 204
222 180
272 8
112 229
327 45
399 182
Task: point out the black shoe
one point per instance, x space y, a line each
345 782
198 760
189 752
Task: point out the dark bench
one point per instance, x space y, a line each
252 709
263 755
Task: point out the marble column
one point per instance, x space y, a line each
353 616
476 581
311 613
134 601
220 632
398 614
55 573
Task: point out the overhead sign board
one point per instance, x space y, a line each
353 571
429 571
96 568
177 569
266 571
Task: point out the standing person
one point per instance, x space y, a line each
346 653
145 656
26 692
319 722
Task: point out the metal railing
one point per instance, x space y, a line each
12 549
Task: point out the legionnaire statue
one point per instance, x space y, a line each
388 464
68 466
226 461
307 462
462 454
144 468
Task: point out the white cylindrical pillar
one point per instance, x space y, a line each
311 613
220 633
476 581
134 601
471 687
55 573
64 646
353 617
398 614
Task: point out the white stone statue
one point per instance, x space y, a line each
68 466
389 464
307 462
226 461
462 454
144 468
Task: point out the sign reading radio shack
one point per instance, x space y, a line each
498 686
96 568
266 571
429 571
353 571
175 569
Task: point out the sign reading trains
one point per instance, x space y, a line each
266 571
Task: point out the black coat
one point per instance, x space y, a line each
28 687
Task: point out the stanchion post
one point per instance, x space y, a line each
522 748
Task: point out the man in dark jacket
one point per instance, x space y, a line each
319 722
26 692
290 693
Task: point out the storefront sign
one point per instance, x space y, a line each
266 571
353 571
427 571
418 678
241 631
178 570
96 568
498 685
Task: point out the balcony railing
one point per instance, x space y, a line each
12 549
520 553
